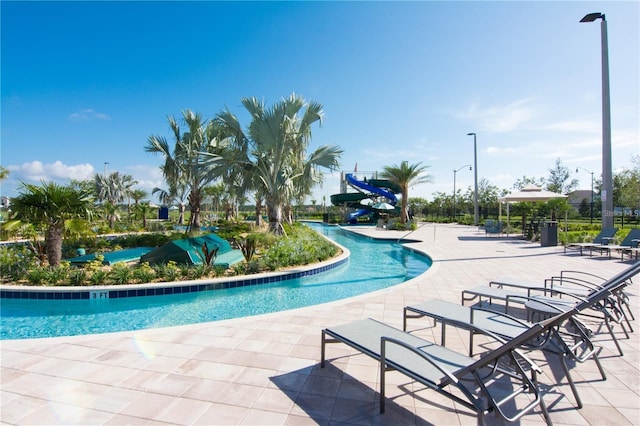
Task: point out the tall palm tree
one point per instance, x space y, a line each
275 150
192 160
54 208
405 176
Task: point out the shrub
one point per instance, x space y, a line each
15 261
144 273
37 275
120 274
98 277
167 271
77 277
58 275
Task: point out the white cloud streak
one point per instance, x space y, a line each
88 114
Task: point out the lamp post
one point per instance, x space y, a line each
577 168
476 212
454 187
105 168
606 193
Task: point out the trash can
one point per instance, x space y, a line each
163 213
549 234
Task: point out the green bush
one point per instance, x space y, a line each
77 277
37 275
98 277
121 274
302 247
168 271
144 273
15 261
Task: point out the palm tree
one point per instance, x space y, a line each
114 188
191 162
140 211
54 208
111 212
177 193
405 176
137 195
275 151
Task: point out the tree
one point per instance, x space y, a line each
177 193
487 196
4 173
114 188
559 179
405 176
273 151
140 211
191 163
54 208
626 191
137 195
525 181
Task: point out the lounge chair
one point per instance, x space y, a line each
604 300
579 283
438 367
492 227
629 243
571 342
604 237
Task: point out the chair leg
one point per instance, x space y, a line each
613 336
567 374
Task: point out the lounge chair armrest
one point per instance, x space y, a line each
575 281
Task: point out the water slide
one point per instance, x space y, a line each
371 189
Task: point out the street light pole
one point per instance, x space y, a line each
607 174
476 212
105 168
591 215
454 188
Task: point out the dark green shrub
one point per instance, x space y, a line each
77 277
144 273
121 274
37 275
98 277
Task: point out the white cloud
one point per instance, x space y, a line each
37 171
499 118
88 114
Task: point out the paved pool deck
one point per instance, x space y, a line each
265 370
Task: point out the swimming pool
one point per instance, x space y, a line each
373 265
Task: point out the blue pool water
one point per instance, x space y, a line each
373 265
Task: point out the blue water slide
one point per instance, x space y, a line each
353 217
374 189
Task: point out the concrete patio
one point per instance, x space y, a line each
264 370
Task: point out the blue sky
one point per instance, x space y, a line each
84 83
